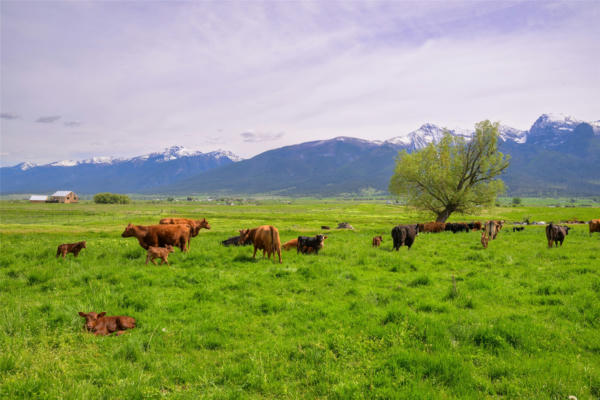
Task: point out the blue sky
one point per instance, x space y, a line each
82 79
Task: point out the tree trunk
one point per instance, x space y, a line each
444 215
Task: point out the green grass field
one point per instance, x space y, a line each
521 321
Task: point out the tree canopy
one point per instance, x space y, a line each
453 175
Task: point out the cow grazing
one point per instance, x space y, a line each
556 234
195 224
265 238
518 228
456 227
404 235
74 248
235 241
490 231
307 244
594 226
377 241
160 235
325 227
432 227
159 252
99 324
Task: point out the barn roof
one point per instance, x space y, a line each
61 193
38 197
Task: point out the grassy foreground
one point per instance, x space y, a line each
520 320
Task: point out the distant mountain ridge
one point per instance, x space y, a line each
558 155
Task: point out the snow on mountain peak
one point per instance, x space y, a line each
24 166
220 153
64 163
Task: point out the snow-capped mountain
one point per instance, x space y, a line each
113 174
551 130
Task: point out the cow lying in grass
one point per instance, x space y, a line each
99 324
160 235
74 248
377 241
306 244
265 238
159 252
556 234
518 228
235 241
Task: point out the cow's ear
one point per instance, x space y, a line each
81 313
102 314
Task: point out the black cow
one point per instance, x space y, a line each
518 228
457 227
404 235
235 241
306 243
556 234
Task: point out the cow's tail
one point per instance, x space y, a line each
273 247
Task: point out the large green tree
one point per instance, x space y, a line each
453 175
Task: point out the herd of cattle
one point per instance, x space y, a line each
159 240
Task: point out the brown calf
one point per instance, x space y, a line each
74 248
377 241
159 252
99 324
594 226
160 235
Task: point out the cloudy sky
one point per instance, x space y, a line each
81 79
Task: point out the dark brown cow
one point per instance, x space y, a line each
377 241
160 235
74 248
594 226
432 227
556 234
265 238
99 324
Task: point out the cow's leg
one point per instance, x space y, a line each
550 243
147 259
153 260
64 254
279 253
254 255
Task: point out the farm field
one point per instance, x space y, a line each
445 320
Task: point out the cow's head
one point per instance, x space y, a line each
83 246
380 238
566 230
203 223
169 248
129 231
91 319
244 235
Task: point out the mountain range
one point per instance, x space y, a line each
559 155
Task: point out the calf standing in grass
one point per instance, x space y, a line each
74 248
377 241
100 325
159 252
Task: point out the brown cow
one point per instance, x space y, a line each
484 239
377 241
476 226
265 238
99 324
594 226
195 224
556 234
74 248
160 235
490 231
159 252
433 227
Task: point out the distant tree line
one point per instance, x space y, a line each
111 198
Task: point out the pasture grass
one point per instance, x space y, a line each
446 319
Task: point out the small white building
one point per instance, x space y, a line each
38 198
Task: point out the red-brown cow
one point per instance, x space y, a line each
159 235
594 226
99 324
74 248
377 241
265 238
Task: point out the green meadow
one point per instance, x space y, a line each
447 319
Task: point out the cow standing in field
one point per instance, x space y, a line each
159 252
556 234
194 224
432 227
307 244
159 235
99 324
377 241
265 238
594 226
490 231
74 248
404 235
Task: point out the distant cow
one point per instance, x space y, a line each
160 235
159 252
308 244
433 227
404 235
594 226
325 227
490 231
518 228
475 226
556 234
74 248
235 241
456 227
344 225
99 324
265 238
377 241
